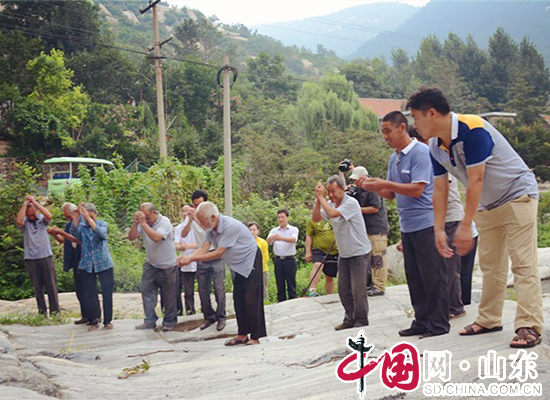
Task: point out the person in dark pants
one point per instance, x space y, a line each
71 257
233 242
95 262
186 280
284 239
466 270
38 253
160 269
354 249
210 274
410 181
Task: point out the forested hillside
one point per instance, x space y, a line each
478 18
73 81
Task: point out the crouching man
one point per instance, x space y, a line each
233 242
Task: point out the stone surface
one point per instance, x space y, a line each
297 360
396 266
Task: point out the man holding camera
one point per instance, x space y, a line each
375 215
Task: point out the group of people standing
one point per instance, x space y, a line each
346 236
86 253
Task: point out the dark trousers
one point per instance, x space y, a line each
352 275
79 290
466 270
427 281
186 281
166 280
208 274
285 277
248 300
42 274
453 272
92 309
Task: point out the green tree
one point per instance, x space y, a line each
54 88
498 72
70 26
267 75
199 39
331 103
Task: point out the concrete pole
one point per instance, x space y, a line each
227 140
160 97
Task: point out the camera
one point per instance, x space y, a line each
353 191
344 165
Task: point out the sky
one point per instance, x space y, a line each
254 12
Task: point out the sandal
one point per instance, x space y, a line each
455 316
235 341
530 335
470 330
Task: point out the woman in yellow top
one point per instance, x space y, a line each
262 244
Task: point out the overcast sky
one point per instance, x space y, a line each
253 12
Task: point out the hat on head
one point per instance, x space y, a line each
358 172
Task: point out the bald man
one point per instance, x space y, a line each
160 268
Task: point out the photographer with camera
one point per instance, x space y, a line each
374 212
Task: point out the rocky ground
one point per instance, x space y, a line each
297 359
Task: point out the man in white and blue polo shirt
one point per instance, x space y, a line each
502 194
409 181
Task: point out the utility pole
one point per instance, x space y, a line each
227 138
158 73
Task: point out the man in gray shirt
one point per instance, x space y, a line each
353 247
38 253
160 268
235 245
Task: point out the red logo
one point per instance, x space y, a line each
400 366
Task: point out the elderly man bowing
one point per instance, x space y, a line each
160 268
234 243
353 246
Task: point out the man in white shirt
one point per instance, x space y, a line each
209 273
186 280
284 239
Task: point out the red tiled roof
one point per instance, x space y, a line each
382 106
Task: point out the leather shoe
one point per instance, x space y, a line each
145 326
205 325
220 326
411 332
81 321
339 327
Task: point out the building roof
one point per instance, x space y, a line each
382 106
498 114
80 160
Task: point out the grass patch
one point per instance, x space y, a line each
34 319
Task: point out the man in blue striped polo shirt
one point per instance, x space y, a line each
410 182
502 194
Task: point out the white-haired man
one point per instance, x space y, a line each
160 268
234 243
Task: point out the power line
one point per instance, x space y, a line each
24 17
329 36
69 38
362 28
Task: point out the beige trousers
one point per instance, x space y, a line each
379 264
510 232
